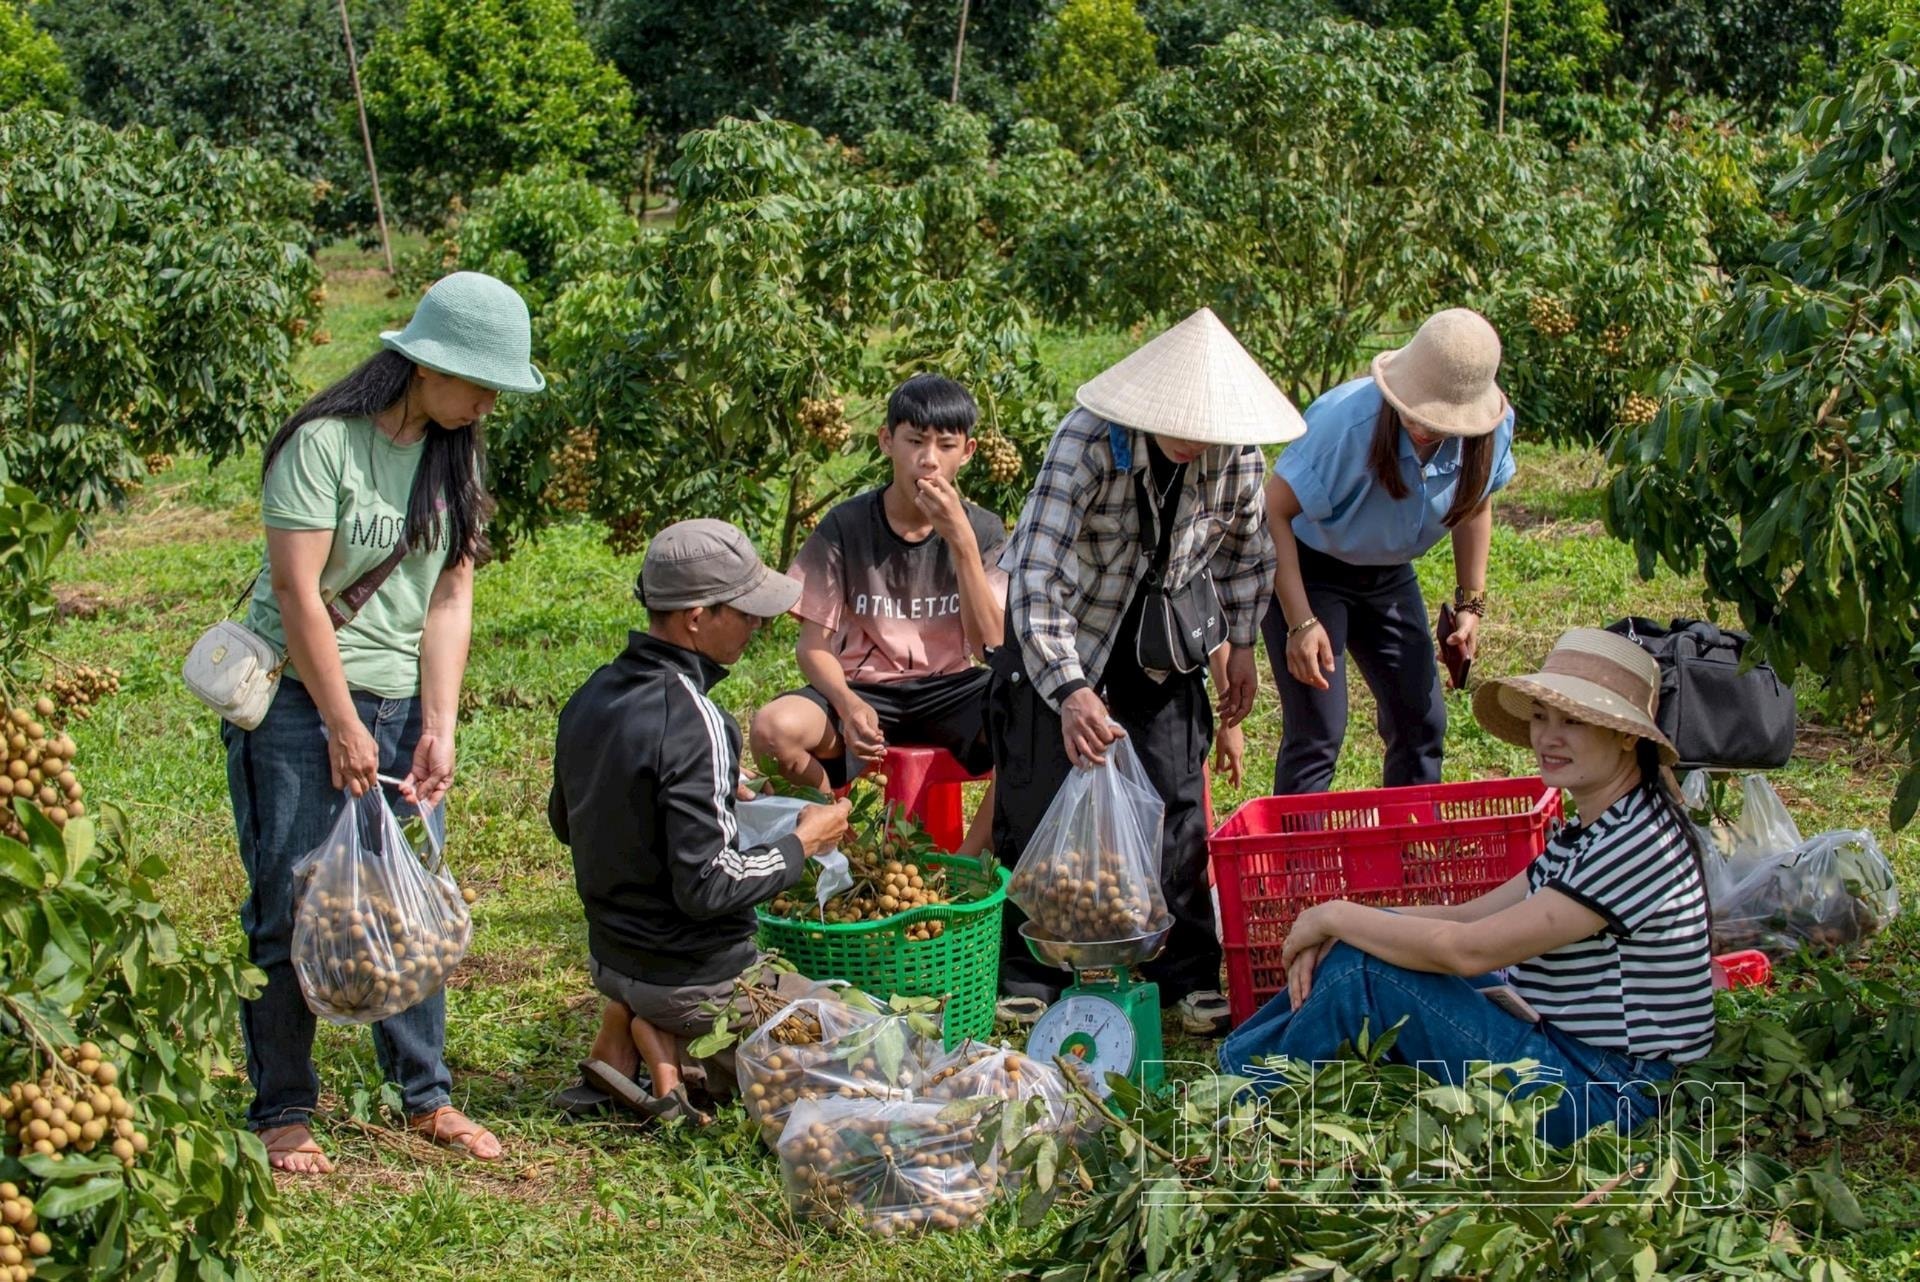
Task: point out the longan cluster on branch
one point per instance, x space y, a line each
39 767
21 1240
74 1112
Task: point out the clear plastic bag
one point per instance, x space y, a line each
1091 871
376 928
1765 828
820 1048
1829 893
977 1070
892 1168
765 820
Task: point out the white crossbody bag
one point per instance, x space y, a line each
236 671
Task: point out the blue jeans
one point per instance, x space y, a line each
1376 614
285 804
1449 1024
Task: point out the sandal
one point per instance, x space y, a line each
283 1145
1021 1012
630 1095
1203 1013
443 1127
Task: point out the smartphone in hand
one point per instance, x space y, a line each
1457 664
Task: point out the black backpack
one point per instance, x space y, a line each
1717 716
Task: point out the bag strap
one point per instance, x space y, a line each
357 593
1163 549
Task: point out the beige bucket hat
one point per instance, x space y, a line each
1443 379
1599 677
1195 382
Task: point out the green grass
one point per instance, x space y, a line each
603 1200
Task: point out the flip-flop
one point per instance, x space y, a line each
1203 1013
630 1095
1021 1012
427 1125
306 1148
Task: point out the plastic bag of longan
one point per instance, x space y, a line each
1091 870
976 1069
889 1167
377 926
817 1048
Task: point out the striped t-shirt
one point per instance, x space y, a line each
1643 985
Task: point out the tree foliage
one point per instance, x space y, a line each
1750 51
271 75
978 209
1785 464
1183 29
31 71
1316 188
88 953
538 231
151 295
1619 273
729 365
844 67
1555 48
1091 55
462 92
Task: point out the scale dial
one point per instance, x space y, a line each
1088 1028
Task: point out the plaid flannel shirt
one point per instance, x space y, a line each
1077 557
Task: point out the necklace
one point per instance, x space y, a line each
1173 482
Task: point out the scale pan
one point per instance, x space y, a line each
1108 954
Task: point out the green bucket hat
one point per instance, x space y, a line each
475 327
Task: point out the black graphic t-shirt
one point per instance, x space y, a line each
892 605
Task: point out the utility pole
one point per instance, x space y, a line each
1506 21
959 48
366 136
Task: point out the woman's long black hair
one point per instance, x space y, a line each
1658 782
452 470
1476 465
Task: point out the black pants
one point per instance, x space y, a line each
1377 614
1170 725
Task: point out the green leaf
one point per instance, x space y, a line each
1836 1200
1906 799
63 1200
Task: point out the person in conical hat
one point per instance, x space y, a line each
1392 463
1141 560
1595 961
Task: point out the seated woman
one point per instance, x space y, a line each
1605 935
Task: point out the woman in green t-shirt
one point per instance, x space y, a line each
389 455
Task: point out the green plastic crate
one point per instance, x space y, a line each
961 963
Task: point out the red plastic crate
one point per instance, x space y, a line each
1436 844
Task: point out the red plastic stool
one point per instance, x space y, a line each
1748 968
925 783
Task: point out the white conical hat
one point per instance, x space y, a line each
1195 382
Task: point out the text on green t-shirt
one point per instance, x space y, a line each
347 476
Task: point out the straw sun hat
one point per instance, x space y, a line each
1197 383
1597 677
1443 379
475 327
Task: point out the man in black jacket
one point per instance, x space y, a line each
646 769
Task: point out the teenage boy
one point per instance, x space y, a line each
900 594
646 767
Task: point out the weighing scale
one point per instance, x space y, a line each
1107 1020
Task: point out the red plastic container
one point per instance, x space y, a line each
1748 968
925 783
1436 844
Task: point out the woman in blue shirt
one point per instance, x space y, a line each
1390 463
